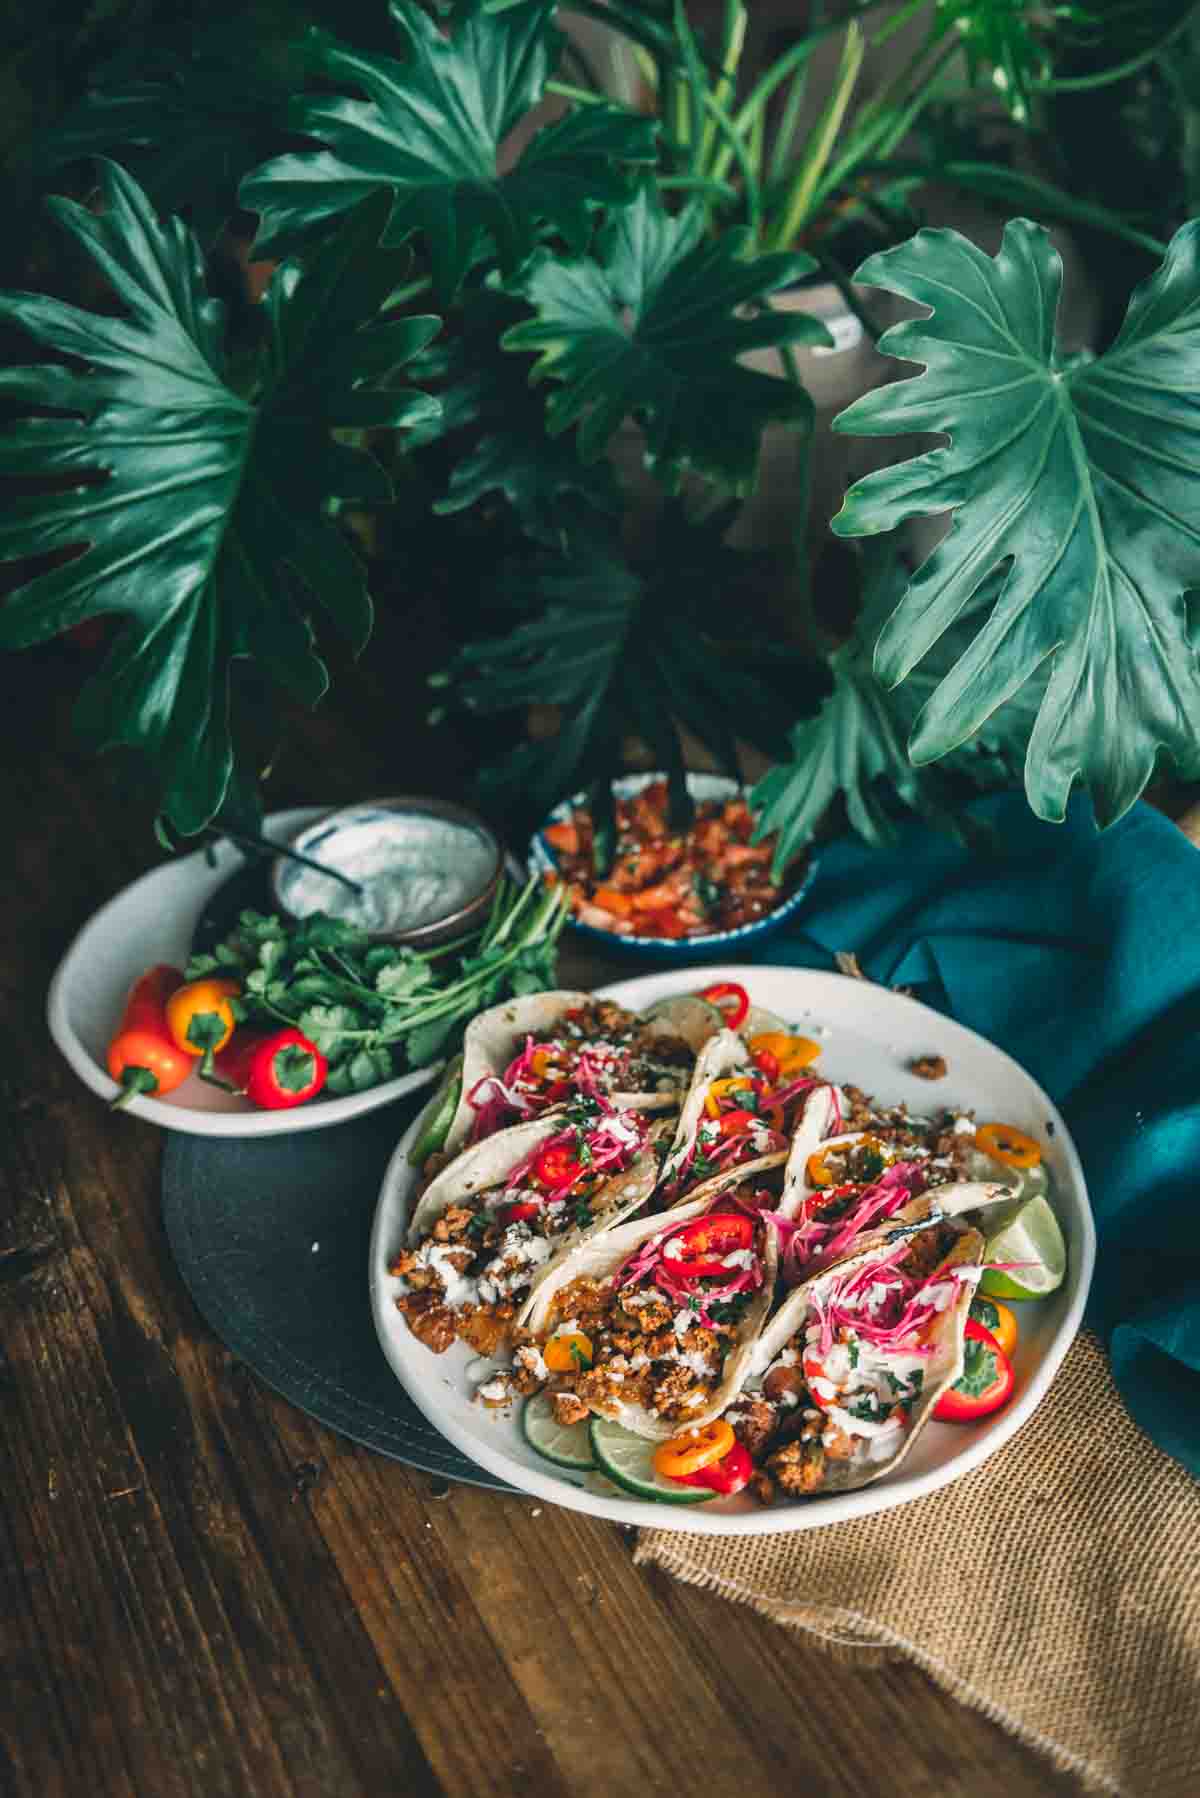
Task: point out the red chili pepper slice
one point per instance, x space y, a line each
725 1476
700 1250
557 1165
734 1122
769 1063
729 989
520 1211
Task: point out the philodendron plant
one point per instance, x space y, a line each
497 318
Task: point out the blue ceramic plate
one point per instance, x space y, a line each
719 945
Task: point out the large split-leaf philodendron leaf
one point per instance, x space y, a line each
197 515
853 748
429 132
653 326
1080 474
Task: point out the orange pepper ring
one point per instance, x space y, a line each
694 1449
1004 1143
791 1052
819 1175
559 1353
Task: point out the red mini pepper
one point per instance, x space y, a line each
986 1381
275 1072
143 1056
726 1476
729 989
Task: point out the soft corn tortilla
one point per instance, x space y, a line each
488 1164
604 1255
492 1040
724 1054
947 1332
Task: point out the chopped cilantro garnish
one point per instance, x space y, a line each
866 1409
582 1361
478 1225
582 1213
852 1353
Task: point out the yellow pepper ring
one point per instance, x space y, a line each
563 1354
694 1449
791 1052
1003 1143
737 1084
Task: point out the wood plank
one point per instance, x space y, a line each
420 1602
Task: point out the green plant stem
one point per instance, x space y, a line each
733 40
789 120
876 136
752 186
701 184
897 23
798 202
1080 84
581 95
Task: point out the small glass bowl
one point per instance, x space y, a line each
432 825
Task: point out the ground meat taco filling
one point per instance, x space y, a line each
844 1385
467 1276
594 1050
658 1330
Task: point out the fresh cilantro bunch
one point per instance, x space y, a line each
374 1009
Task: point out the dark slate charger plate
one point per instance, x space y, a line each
271 1236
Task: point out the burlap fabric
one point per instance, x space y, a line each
1056 1589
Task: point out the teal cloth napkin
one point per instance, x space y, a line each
1079 953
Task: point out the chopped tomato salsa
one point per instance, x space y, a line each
665 883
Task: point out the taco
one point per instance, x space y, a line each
849 1370
659 1317
841 1189
733 1115
508 1207
528 1055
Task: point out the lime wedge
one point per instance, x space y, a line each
1032 1236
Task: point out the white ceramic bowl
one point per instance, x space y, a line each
152 921
870 1034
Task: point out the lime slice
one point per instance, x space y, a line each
566 1444
438 1115
1031 1235
628 1461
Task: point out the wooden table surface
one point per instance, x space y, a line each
206 1593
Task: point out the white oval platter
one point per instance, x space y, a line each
869 1035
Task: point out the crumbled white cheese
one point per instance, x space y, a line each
963 1127
682 1323
624 1131
457 1288
673 1250
739 1258
496 1391
530 1359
